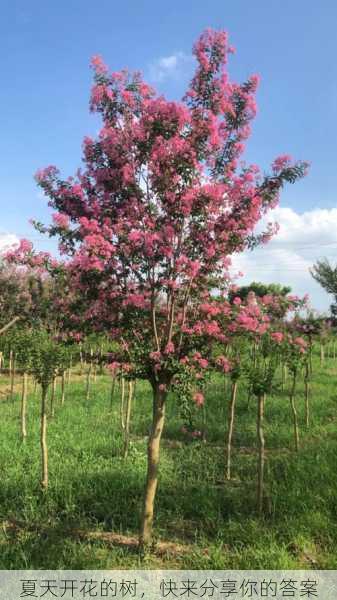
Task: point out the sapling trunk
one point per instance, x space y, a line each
52 399
231 415
43 439
24 406
122 403
153 453
10 363
101 364
294 413
322 356
69 370
63 387
11 393
127 420
87 391
261 452
204 422
310 357
307 389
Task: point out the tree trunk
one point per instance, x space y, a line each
153 452
122 403
87 391
69 370
63 387
24 407
127 420
52 400
261 446
43 439
10 362
294 411
231 415
306 386
11 393
322 355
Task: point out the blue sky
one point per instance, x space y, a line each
45 52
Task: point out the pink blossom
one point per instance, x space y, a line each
277 336
198 398
61 220
25 246
169 348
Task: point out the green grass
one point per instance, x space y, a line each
93 489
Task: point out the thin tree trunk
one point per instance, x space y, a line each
122 403
63 387
294 412
3 329
10 363
87 392
231 415
322 355
11 393
43 439
204 422
52 400
261 447
127 420
69 370
307 389
153 453
24 407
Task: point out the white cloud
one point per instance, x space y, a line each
286 259
7 240
169 67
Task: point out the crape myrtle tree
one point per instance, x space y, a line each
151 220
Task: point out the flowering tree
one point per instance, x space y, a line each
150 222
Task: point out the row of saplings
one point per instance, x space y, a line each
37 354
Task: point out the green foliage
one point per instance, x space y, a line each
260 290
326 275
48 358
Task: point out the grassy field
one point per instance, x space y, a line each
209 524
